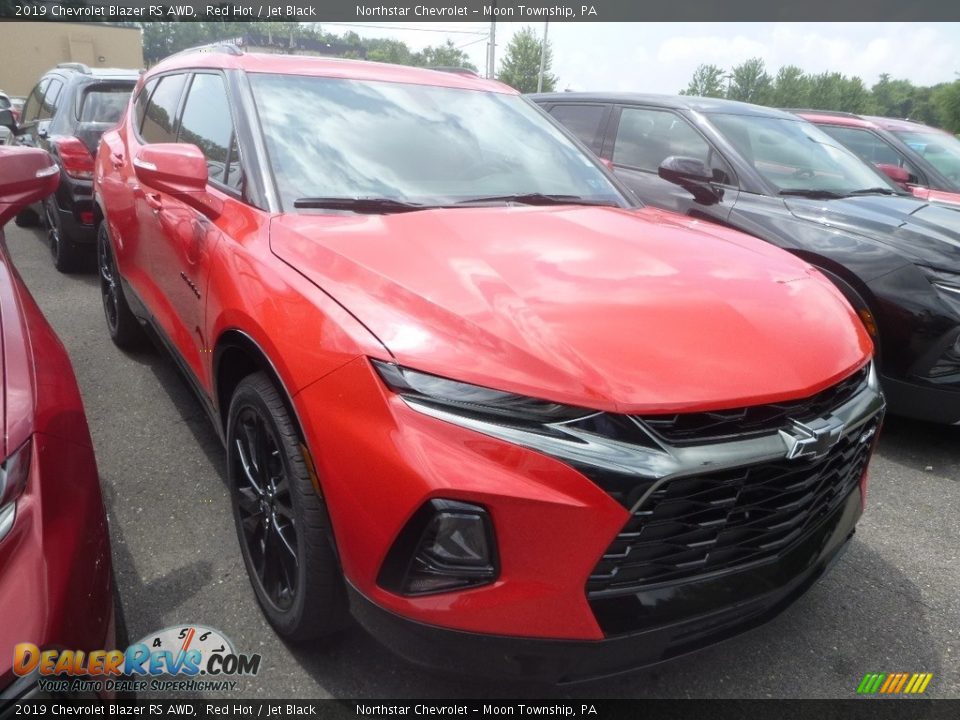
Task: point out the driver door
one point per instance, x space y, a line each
641 138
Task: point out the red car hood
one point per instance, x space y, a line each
619 310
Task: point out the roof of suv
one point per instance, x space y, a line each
685 102
327 67
893 124
81 70
826 117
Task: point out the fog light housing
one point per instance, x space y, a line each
447 545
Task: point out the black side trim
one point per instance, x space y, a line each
139 309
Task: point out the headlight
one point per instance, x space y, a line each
474 399
13 479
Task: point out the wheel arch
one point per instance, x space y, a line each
237 355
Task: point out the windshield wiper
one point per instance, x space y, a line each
815 194
371 205
535 199
874 191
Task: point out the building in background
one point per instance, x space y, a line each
29 49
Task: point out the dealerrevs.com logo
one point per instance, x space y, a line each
188 658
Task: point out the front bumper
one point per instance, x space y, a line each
55 584
740 602
922 401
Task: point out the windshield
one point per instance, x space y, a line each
335 138
939 149
798 157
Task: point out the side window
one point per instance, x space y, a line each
207 123
161 110
584 121
645 138
869 148
140 105
31 108
49 105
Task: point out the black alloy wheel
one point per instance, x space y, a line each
265 509
66 254
124 328
282 524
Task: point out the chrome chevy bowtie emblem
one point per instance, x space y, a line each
813 440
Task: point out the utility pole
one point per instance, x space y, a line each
543 56
491 50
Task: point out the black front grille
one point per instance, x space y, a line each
729 520
708 427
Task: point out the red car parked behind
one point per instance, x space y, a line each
55 570
468 388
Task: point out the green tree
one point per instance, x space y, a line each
946 99
750 82
521 63
826 91
791 88
855 96
893 98
446 55
389 51
707 81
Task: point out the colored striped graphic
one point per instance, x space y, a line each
894 683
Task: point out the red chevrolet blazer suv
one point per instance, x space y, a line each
470 392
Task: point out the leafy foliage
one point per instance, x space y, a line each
791 87
521 63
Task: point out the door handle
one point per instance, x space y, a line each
153 200
116 159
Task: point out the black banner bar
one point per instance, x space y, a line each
481 10
857 709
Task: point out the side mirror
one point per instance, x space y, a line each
901 176
26 176
179 170
8 120
691 174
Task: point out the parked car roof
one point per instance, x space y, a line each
895 124
328 67
687 102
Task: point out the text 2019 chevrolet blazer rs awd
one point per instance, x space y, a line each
470 392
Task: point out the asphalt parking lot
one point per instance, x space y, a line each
892 602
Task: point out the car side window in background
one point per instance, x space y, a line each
31 108
207 123
645 138
50 98
161 110
584 121
870 148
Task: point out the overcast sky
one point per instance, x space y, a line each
661 57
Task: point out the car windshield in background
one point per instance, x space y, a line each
104 104
5 103
798 157
331 139
939 149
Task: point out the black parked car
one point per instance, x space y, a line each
65 114
780 178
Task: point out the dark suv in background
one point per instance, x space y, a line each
775 176
65 114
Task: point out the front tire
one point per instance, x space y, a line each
282 523
124 329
